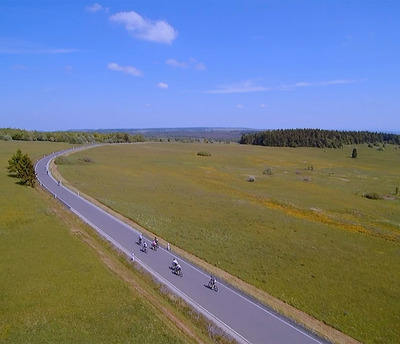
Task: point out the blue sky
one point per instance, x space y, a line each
72 64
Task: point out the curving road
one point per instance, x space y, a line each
241 317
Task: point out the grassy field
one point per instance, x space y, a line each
305 234
59 284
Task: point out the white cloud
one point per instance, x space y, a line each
94 8
20 50
248 86
125 69
175 63
162 85
200 66
243 87
339 82
155 31
182 64
15 46
320 83
302 84
25 48
56 51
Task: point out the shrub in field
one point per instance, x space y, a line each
5 137
204 153
373 195
268 171
87 159
354 153
251 179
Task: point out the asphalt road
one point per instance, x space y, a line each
243 318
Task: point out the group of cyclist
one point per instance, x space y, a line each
154 244
175 266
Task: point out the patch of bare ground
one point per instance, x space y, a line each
389 197
281 307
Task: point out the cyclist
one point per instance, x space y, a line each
178 269
174 263
213 281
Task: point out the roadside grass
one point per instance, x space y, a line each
60 283
306 236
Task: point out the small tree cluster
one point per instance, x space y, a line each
204 153
21 165
373 195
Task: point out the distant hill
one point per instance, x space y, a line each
276 138
226 134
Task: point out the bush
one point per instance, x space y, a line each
5 137
373 195
251 179
204 153
87 159
268 171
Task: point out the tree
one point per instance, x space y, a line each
14 161
26 171
22 166
354 153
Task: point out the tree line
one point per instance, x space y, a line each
73 137
316 138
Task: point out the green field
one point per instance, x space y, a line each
305 234
54 288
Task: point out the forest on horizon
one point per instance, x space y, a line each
274 138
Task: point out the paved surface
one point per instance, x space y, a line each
243 318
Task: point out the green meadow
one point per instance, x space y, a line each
54 288
302 231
